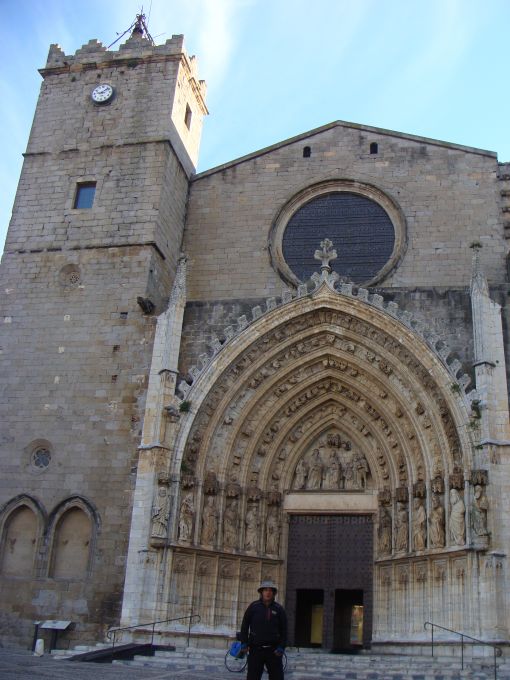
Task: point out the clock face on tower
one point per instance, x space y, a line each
102 93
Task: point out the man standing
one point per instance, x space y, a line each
264 634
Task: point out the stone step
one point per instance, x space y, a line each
319 666
312 664
364 661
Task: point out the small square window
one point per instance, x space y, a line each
84 195
187 117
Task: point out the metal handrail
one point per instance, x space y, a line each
190 618
497 650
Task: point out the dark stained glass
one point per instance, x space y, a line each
361 231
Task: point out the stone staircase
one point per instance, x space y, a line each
319 665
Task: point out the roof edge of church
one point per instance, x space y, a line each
341 123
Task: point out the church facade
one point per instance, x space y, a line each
291 366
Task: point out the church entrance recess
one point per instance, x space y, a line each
330 581
348 621
309 618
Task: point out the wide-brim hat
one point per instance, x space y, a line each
267 584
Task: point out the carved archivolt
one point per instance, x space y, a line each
329 398
420 331
377 388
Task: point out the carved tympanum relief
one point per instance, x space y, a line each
332 464
244 384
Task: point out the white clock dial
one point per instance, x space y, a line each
102 93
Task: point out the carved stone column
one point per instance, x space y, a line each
161 408
159 426
491 405
143 554
493 595
490 370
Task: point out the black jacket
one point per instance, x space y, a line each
264 625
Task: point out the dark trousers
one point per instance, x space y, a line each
264 656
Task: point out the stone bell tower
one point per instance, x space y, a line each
90 257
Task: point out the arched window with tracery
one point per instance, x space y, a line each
71 544
19 542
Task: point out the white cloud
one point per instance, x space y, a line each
218 29
213 27
431 45
448 41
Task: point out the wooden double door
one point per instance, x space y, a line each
330 581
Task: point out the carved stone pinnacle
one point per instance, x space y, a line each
326 254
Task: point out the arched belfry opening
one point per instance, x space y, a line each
321 449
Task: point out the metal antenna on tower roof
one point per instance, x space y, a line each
138 27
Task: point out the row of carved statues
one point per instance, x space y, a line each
407 527
396 535
261 530
332 471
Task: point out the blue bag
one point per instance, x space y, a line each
235 649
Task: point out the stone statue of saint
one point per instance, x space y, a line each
402 528
360 471
419 525
384 534
209 521
479 509
251 522
315 473
348 475
272 531
160 513
186 517
231 524
457 523
332 473
437 528
300 475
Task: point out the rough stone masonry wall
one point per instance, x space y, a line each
76 347
449 197
446 312
140 198
74 364
143 77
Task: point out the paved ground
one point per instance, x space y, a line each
18 664
21 665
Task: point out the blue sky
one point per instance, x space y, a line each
276 68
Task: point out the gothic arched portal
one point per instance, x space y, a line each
325 406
